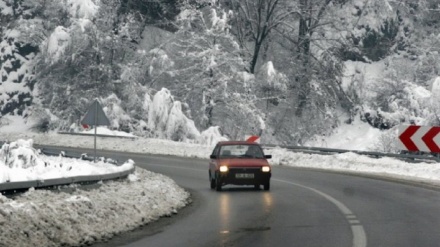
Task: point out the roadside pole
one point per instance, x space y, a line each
95 117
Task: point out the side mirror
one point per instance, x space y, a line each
213 156
268 156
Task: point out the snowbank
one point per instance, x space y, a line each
106 131
350 162
19 161
78 217
355 136
55 218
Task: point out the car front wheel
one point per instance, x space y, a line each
267 185
218 183
211 182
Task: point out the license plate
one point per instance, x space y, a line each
244 175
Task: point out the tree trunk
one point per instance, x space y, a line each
255 57
303 78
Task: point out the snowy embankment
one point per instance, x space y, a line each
19 161
50 218
55 218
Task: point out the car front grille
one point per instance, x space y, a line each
244 170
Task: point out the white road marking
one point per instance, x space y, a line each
359 236
354 222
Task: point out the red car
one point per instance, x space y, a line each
239 163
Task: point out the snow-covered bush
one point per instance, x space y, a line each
179 127
44 120
396 102
387 141
85 9
119 119
211 136
160 62
19 154
434 104
386 94
270 85
166 119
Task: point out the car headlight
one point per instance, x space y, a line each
223 169
265 169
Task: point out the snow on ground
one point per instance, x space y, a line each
106 131
355 136
57 218
19 161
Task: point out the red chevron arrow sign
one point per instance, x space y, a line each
253 139
419 138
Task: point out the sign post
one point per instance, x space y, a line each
95 116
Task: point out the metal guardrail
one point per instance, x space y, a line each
21 185
329 151
82 156
62 181
98 135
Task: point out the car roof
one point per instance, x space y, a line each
237 143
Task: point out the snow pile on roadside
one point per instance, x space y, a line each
351 162
54 218
138 145
355 136
106 131
19 161
19 154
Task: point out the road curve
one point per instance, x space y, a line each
303 208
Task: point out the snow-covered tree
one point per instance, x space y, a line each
85 58
201 65
255 21
16 57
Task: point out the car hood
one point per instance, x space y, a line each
244 162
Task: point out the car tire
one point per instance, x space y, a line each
267 185
211 181
218 184
257 186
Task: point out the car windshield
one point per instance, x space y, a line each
241 151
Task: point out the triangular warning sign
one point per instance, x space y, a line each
95 115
